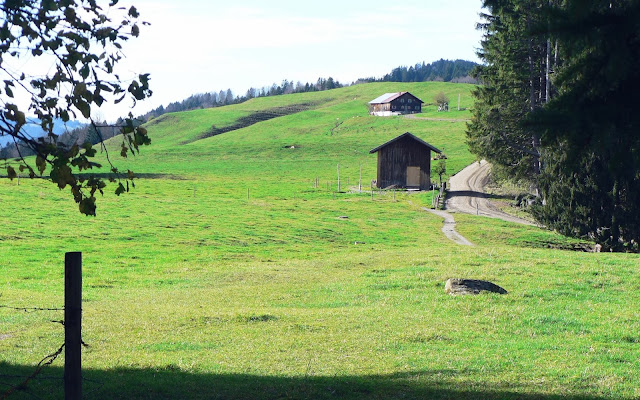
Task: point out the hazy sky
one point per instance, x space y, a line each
195 46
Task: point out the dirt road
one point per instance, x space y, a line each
466 194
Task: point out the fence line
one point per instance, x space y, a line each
73 332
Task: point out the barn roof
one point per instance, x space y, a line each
387 97
406 134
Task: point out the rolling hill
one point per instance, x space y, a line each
227 273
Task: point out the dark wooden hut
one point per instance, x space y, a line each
405 161
395 103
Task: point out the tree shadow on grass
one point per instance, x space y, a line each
474 194
107 175
172 383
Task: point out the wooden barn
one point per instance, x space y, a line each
394 104
405 161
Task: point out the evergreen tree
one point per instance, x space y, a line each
228 97
513 83
592 128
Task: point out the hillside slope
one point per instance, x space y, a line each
236 269
324 128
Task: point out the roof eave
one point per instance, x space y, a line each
434 149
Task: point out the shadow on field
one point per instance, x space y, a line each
256 117
107 175
479 195
171 383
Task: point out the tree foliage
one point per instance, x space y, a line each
441 99
440 168
559 108
441 70
514 84
80 43
591 128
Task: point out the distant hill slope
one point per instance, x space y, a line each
322 129
34 129
457 71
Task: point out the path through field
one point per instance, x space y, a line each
449 227
466 194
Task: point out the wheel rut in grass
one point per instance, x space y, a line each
255 117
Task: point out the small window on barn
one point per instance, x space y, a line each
393 107
408 100
401 100
416 107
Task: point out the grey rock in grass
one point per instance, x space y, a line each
471 286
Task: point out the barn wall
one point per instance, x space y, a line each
394 159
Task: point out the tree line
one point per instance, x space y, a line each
457 71
558 109
223 98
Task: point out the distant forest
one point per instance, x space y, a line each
458 71
442 70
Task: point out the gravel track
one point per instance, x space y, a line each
466 194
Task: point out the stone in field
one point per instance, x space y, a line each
471 286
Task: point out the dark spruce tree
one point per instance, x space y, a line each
591 129
559 108
514 79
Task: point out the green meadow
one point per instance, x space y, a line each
227 273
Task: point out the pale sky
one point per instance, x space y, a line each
198 46
195 46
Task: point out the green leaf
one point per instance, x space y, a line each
80 89
84 108
41 164
120 189
87 206
11 172
84 71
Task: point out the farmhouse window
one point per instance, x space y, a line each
408 100
416 107
393 107
401 100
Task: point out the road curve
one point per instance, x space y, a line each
466 194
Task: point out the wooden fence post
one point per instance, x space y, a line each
73 326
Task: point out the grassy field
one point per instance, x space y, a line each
226 274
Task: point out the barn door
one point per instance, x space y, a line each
413 176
